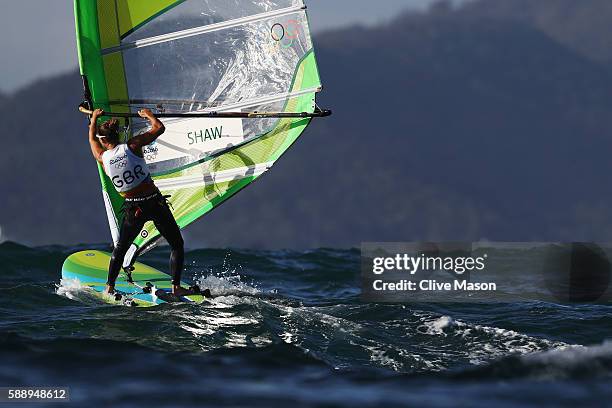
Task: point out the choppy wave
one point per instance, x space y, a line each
288 327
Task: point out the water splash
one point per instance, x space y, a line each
73 289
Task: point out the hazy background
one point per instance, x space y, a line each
37 36
486 121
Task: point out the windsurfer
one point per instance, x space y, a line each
125 165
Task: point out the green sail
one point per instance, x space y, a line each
188 56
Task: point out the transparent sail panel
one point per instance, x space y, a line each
251 67
198 13
220 68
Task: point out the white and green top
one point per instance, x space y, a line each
125 169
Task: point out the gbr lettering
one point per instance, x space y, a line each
127 177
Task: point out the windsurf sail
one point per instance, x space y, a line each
236 80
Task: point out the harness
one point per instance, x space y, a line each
141 199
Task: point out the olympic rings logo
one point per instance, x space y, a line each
285 34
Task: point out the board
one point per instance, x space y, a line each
90 268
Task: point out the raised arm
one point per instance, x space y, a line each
94 142
157 128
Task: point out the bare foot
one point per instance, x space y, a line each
109 290
177 290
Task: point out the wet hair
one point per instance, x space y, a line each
110 130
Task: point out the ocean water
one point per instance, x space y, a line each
287 328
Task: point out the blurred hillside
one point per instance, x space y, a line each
490 121
583 26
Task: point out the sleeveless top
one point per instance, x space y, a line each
125 169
